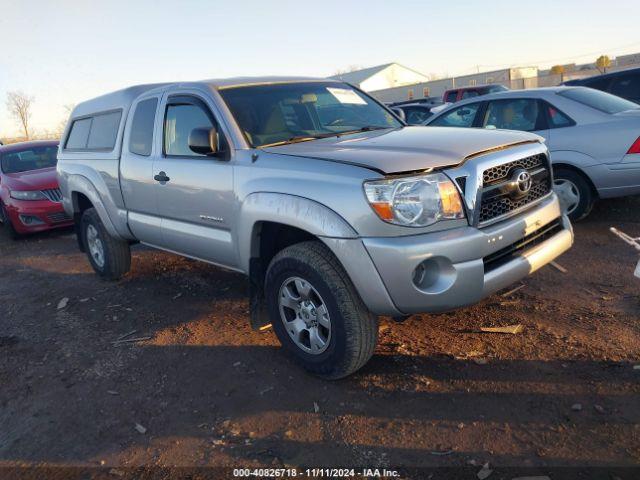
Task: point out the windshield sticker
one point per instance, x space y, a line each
344 95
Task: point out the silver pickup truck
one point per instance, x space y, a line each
335 209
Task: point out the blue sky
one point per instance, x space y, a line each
62 52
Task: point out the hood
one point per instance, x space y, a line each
42 179
406 149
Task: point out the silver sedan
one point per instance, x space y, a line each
593 137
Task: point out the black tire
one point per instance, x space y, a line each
116 253
354 330
6 223
582 186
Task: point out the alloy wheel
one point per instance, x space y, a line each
305 315
568 194
96 248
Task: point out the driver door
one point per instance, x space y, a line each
194 192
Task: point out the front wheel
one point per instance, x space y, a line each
317 313
574 193
109 257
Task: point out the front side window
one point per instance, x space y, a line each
282 113
515 114
459 117
605 102
30 159
141 137
179 121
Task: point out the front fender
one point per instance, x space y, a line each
308 215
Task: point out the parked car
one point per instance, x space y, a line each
624 83
335 209
456 94
416 112
592 137
30 200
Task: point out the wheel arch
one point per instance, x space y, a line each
270 222
579 171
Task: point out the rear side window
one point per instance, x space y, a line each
141 137
79 134
104 130
98 132
557 119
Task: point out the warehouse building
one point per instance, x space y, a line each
509 77
389 75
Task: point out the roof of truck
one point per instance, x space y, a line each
245 81
114 100
123 98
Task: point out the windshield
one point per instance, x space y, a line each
605 102
29 159
290 112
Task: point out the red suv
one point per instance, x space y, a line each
30 200
456 94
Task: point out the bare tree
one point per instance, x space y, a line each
19 106
349 69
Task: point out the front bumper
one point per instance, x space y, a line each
457 266
44 215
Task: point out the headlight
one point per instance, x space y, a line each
28 195
415 201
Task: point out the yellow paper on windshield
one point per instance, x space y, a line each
344 95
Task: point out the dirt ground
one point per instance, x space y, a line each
211 392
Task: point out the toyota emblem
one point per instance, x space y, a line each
523 181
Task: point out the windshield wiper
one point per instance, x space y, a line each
297 139
368 128
308 138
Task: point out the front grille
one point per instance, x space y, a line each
54 195
58 217
506 254
497 197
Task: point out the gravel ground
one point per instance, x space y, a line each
206 390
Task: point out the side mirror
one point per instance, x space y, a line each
204 141
400 113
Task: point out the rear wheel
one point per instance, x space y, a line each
316 312
574 192
109 257
6 223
